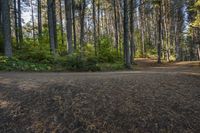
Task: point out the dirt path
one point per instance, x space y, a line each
150 99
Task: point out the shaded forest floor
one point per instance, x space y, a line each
152 98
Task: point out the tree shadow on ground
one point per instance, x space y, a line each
106 105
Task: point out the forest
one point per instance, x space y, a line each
99 66
96 34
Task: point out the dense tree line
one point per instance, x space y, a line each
167 29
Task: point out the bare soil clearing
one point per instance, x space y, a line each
153 98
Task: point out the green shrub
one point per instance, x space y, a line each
106 52
77 63
111 66
13 64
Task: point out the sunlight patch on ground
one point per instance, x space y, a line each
4 81
4 104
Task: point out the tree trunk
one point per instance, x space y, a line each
16 23
51 25
116 27
126 35
6 27
74 24
0 18
94 28
39 19
82 20
132 44
33 20
68 10
142 19
61 22
1 29
20 23
159 32
98 21
198 52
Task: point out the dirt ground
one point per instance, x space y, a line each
150 99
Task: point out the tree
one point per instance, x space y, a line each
6 27
132 44
52 25
159 30
16 23
20 23
61 22
94 26
74 23
33 20
116 26
1 28
82 22
126 35
68 11
39 19
196 22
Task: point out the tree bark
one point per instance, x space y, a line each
51 25
33 20
68 10
39 19
82 21
16 24
98 21
61 22
6 27
116 27
74 23
94 28
159 32
132 44
20 23
126 35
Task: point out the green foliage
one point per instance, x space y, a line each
151 50
111 66
13 64
106 52
138 42
36 55
34 52
77 63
